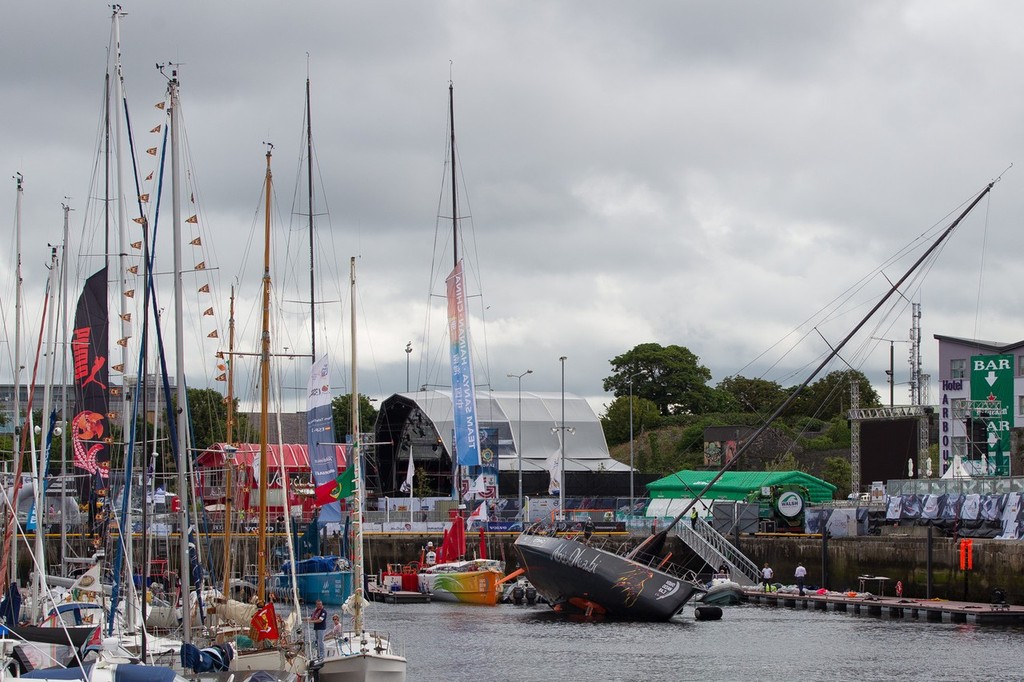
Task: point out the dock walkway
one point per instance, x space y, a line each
932 610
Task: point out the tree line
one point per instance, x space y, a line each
663 396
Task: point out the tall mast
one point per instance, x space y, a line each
455 194
39 587
357 473
20 180
64 394
261 552
309 189
122 233
230 438
179 350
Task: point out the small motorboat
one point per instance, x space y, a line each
722 591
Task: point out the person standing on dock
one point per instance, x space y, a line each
766 576
319 620
801 575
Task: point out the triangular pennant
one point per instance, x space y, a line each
130 293
201 266
137 245
208 311
116 368
151 151
134 269
127 317
156 130
144 198
140 220
193 219
123 342
196 242
150 176
221 377
205 289
160 105
213 335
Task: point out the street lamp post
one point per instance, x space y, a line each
561 458
519 440
631 487
408 354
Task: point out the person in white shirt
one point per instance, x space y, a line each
431 557
766 576
801 575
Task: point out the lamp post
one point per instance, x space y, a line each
561 458
631 487
519 440
408 354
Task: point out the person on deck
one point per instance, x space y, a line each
801 576
431 554
766 575
319 620
693 518
336 632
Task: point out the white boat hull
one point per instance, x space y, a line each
361 667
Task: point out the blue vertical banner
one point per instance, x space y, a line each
467 443
323 454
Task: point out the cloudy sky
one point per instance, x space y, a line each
733 177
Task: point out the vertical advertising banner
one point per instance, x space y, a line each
90 429
992 381
323 457
467 444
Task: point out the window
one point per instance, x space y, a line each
1020 365
958 368
1020 404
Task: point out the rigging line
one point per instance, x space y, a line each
981 269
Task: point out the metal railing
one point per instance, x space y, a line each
715 549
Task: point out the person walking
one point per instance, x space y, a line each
801 575
319 620
766 576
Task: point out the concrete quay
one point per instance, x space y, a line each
930 610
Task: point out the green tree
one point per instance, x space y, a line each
615 420
829 396
757 396
341 410
208 414
838 472
669 376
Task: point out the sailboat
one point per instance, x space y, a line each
642 584
324 578
360 654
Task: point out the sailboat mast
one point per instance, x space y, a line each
309 190
455 194
40 494
357 473
64 396
230 438
261 552
179 349
18 305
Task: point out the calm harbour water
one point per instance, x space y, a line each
454 643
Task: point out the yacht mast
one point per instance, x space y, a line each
357 475
261 552
179 350
18 305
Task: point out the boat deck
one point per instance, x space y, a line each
397 596
933 610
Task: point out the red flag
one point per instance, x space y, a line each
265 623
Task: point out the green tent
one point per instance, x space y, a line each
735 485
